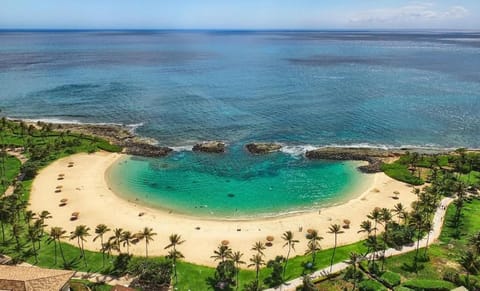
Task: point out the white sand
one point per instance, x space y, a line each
87 192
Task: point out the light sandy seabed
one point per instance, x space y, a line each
87 192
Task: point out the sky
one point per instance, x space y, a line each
239 14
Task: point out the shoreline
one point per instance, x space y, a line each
87 192
347 195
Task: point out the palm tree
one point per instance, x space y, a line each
147 234
335 229
221 253
100 231
290 242
354 260
127 239
428 227
375 215
399 210
57 233
108 247
117 238
4 216
259 247
175 240
416 221
34 236
386 217
29 216
43 216
17 230
80 233
236 257
257 262
469 263
313 244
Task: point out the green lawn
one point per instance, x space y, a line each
400 172
471 179
12 168
444 255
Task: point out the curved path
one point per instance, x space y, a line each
438 219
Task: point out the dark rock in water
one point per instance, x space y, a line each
231 195
146 150
374 156
210 147
262 148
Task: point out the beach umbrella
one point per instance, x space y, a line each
225 242
75 214
61 175
64 200
346 223
270 238
309 231
59 187
396 192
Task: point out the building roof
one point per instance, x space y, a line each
34 278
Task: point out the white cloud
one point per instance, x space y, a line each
415 12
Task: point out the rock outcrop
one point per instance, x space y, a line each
262 148
146 150
374 156
209 147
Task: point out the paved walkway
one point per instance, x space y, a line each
16 152
434 234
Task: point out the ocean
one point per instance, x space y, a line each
299 88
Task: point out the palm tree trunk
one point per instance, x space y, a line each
55 248
103 253
34 251
146 249
286 261
61 251
236 273
426 245
83 255
333 254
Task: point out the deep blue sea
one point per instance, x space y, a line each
320 88
298 88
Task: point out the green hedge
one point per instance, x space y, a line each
371 285
402 288
429 285
391 279
400 172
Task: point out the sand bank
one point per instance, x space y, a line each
86 189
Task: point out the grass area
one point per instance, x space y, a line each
12 169
443 256
473 178
399 171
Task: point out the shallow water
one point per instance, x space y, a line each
215 186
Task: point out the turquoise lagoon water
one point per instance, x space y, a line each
219 186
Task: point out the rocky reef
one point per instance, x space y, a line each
209 147
262 148
374 156
118 135
146 150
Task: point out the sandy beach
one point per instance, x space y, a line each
87 191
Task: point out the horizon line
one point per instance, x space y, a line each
244 29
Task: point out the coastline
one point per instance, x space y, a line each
361 183
87 191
